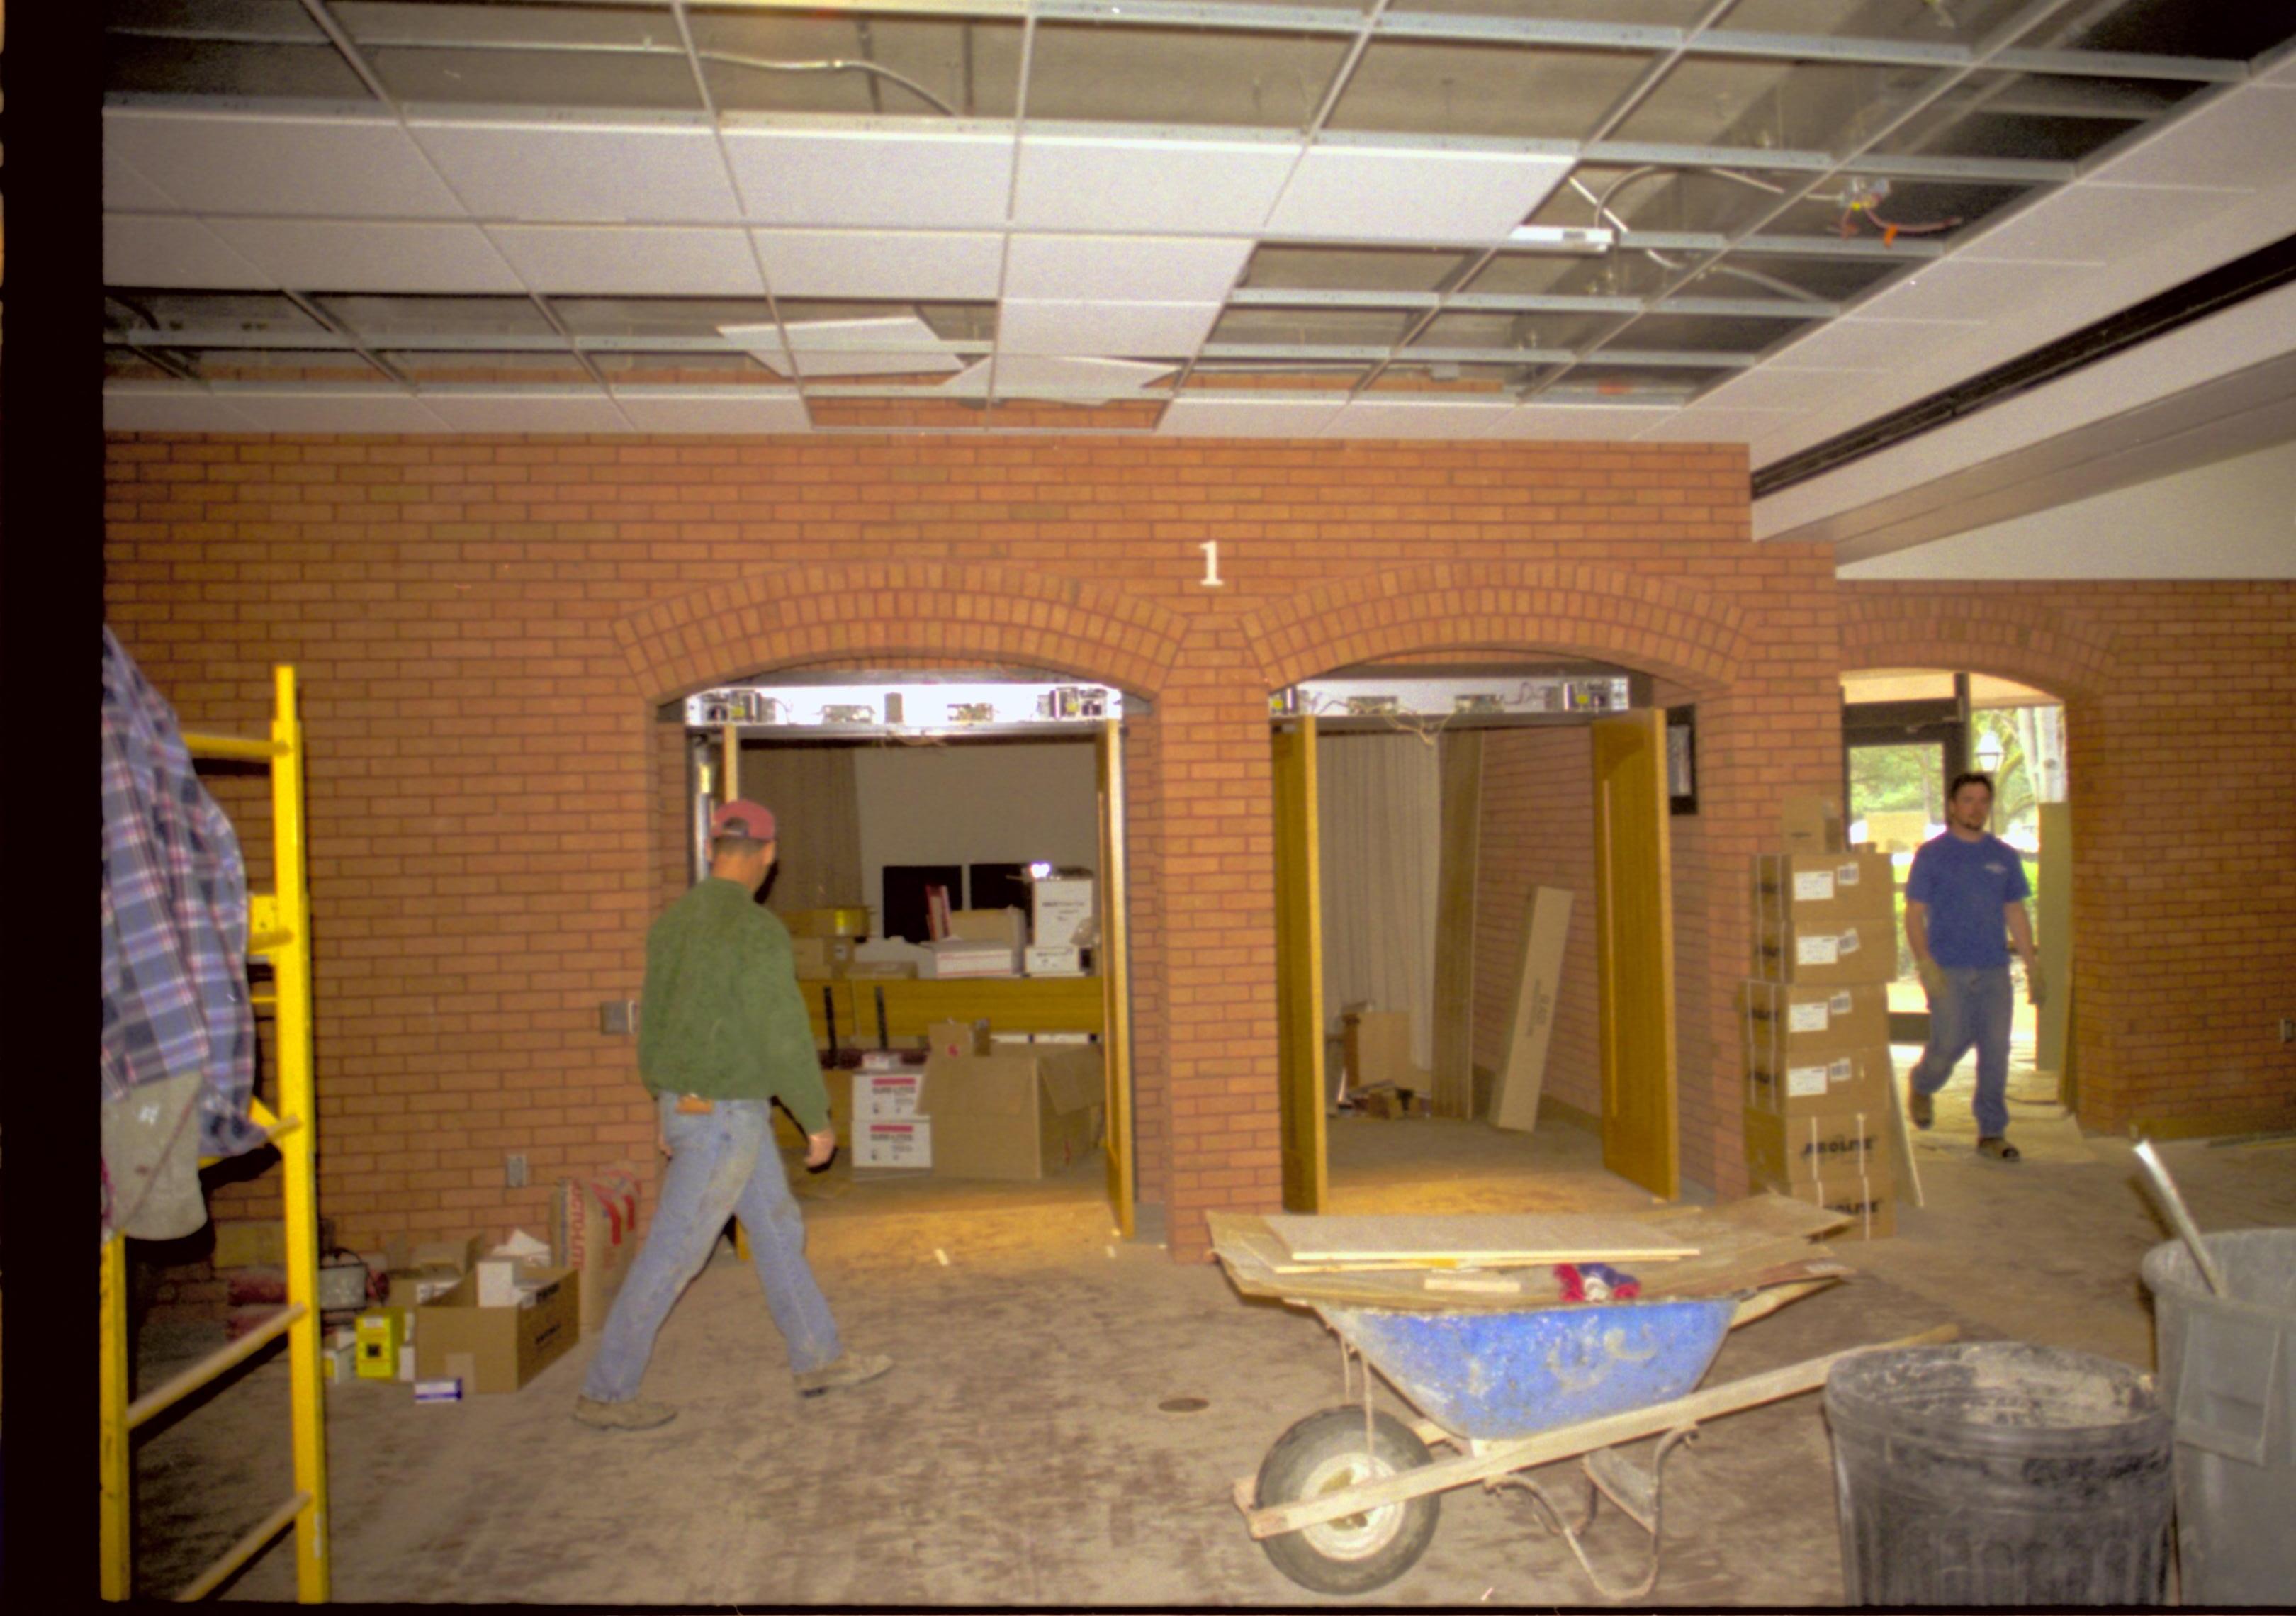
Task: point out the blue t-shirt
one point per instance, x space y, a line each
1967 885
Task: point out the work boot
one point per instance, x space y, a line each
635 1414
1921 1108
1997 1149
850 1370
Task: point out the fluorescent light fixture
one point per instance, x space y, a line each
1562 238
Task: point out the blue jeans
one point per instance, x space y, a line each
1973 1009
723 1164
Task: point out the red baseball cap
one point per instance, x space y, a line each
743 817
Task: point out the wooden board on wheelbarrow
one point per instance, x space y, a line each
1477 1239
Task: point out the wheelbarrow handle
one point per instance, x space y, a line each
1497 1458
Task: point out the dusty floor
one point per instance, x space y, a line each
1019 1453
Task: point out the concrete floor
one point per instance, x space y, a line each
1020 1454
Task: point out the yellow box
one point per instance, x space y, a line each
379 1337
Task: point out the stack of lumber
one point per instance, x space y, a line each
1425 1264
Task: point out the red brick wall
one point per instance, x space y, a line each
476 619
2181 754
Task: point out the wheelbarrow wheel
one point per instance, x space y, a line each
1356 1554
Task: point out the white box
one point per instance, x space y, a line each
498 1282
903 1144
1042 960
886 1096
1060 907
957 957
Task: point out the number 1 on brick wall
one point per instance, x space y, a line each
1210 548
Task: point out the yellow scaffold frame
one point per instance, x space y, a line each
279 930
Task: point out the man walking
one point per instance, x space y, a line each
723 1033
1964 905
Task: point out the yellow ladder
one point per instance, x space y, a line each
279 930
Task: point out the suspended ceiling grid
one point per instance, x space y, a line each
1663 218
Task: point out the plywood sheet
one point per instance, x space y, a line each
1476 1238
1545 927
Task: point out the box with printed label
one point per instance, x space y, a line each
1061 911
1055 962
818 957
1870 1204
1830 955
1857 1080
904 1144
965 956
1811 825
1784 1152
1798 1020
957 1038
499 1348
886 1096
1822 890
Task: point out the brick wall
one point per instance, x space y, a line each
475 620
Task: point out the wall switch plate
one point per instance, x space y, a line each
2288 1028
618 1017
514 1171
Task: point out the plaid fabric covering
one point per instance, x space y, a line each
175 918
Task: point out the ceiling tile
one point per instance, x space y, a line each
159 250
1793 389
1439 196
1416 418
1081 182
1159 268
1963 290
1046 376
904 264
511 409
125 190
1113 330
1580 422
330 409
890 345
168 407
752 409
943 180
1223 414
1858 344
315 167
588 261
1694 424
336 255
608 173
2241 139
2091 223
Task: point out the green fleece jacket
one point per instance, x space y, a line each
722 1016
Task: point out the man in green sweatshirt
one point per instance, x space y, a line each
723 1034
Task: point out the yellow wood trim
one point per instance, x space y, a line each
1115 983
1300 970
1011 1003
115 1538
1634 944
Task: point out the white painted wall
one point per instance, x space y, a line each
2234 520
975 802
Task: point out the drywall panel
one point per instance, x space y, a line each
975 802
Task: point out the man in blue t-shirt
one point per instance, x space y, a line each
1964 907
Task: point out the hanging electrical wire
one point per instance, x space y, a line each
832 65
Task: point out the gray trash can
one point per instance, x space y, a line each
1998 1472
2228 1375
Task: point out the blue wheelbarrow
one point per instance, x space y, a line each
1346 1500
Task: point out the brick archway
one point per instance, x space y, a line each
905 611
2020 638
1594 612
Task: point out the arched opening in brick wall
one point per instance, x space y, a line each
1511 809
868 820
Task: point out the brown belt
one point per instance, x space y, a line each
694 1105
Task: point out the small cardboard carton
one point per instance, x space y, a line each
1006 925
1829 956
1025 1111
820 957
966 956
1811 825
1059 910
1822 890
421 1270
1053 962
1856 1080
594 1232
1799 1021
1376 1045
957 1038
499 1348
1872 1203
908 1143
1793 1151
887 1096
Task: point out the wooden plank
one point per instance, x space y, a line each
1476 1237
1546 929
1462 762
1499 1458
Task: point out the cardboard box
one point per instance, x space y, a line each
1829 956
1041 961
1061 911
1870 1204
905 1144
498 1349
594 1232
339 1363
822 957
420 1271
958 1037
1376 1045
1027 1111
1823 889
965 956
887 1096
1784 1152
1857 1080
882 970
850 920
380 1333
1006 925
1811 825
1799 1021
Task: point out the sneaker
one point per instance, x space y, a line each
636 1415
1921 1108
1998 1149
851 1370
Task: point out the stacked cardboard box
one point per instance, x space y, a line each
1816 1021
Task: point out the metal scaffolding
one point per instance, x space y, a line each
279 931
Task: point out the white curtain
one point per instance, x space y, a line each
1378 802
